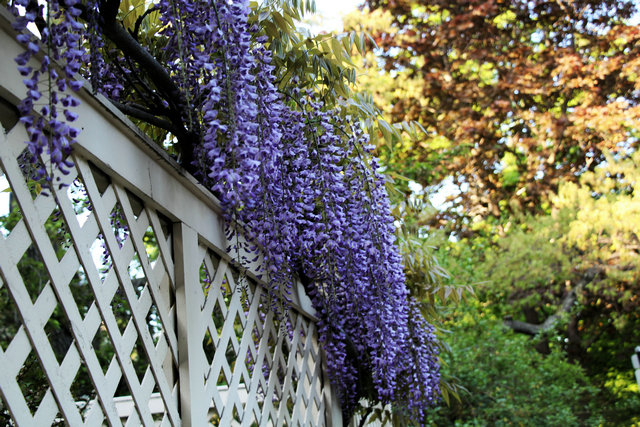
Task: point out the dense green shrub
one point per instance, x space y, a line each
508 382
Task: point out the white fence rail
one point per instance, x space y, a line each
118 303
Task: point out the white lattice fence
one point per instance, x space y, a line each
118 304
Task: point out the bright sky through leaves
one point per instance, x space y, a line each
330 13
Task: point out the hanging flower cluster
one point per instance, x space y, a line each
46 115
295 178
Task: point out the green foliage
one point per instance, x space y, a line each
520 121
593 225
524 266
507 381
534 243
620 398
526 95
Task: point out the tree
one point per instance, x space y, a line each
514 96
581 281
531 109
254 110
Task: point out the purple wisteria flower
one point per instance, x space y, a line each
46 109
295 178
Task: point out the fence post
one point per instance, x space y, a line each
191 365
333 413
635 361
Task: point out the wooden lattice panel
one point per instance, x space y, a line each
271 372
118 303
86 276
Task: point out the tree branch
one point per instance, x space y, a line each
565 307
159 76
147 12
131 48
141 114
365 416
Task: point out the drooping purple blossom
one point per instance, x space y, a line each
295 178
47 117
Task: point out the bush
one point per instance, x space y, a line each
508 382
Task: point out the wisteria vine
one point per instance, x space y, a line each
295 178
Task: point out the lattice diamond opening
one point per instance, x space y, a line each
139 359
33 272
151 246
58 332
103 348
119 225
121 309
58 233
81 291
154 324
77 194
209 347
32 382
101 257
123 388
10 321
136 274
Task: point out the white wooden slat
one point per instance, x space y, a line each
113 376
315 399
44 306
47 410
165 249
302 401
167 315
18 241
287 392
273 383
227 336
258 379
133 418
90 325
17 352
292 363
12 143
94 416
69 366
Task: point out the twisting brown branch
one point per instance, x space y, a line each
565 307
157 74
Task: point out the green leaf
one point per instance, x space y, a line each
281 22
336 48
445 396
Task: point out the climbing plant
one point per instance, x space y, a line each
262 115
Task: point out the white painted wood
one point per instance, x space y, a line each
271 375
635 361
